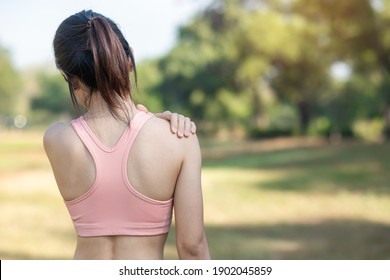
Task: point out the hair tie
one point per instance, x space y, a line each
89 16
90 23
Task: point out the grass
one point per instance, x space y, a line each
282 199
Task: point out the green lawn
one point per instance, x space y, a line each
290 199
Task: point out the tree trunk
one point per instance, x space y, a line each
386 130
304 115
385 91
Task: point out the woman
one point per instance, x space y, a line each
120 170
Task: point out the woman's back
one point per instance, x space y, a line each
120 171
153 167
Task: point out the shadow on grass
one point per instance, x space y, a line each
331 239
354 167
304 157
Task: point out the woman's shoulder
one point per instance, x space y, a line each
162 128
59 136
157 125
159 130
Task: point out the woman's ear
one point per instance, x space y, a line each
76 83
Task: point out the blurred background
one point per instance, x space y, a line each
292 103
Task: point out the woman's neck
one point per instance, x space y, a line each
99 109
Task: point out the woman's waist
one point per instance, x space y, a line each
121 247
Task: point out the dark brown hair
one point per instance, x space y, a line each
90 46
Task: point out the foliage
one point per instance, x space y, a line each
10 84
145 93
233 57
369 130
262 68
199 73
356 32
53 95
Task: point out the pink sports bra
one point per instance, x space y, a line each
112 206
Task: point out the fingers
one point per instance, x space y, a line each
187 127
193 128
164 115
174 118
180 125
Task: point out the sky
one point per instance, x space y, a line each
150 26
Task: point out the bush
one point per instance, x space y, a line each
320 127
258 133
369 130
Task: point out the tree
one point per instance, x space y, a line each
53 95
236 54
286 50
199 73
10 84
149 77
357 32
234 51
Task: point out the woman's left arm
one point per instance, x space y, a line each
180 125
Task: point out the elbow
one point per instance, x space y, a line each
193 249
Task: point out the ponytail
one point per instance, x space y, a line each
92 48
111 64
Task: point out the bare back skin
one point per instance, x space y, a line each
160 166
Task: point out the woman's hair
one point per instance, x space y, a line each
91 47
